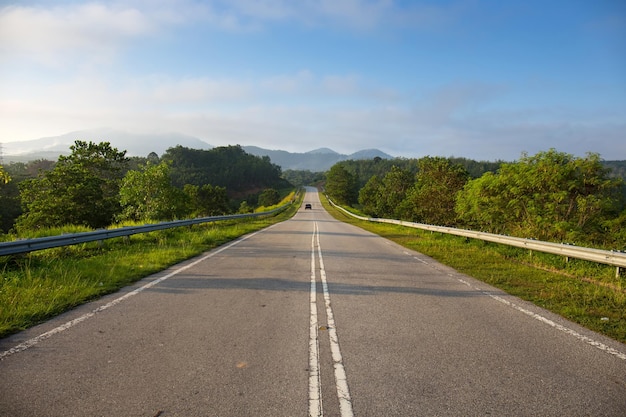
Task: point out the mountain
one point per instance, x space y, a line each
134 144
317 160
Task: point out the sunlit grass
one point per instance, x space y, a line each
584 292
42 284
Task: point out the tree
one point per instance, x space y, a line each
341 185
81 189
549 196
386 197
148 194
269 197
224 166
432 198
371 197
4 176
9 207
206 200
395 186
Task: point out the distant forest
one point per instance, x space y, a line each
550 196
97 185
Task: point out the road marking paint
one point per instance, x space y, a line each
560 327
315 386
539 317
32 342
341 381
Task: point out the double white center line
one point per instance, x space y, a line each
315 388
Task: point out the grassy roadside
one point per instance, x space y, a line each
42 284
584 292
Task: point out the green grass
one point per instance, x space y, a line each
42 284
584 292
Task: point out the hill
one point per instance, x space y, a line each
318 160
134 144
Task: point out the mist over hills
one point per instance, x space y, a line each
50 148
317 160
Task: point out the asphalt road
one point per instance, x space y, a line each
311 317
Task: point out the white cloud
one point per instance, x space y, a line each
48 36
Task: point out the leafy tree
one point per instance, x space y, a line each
371 197
4 176
81 189
206 200
269 197
300 178
225 166
8 202
386 197
396 184
341 185
148 195
245 208
432 199
549 196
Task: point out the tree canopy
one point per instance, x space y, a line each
81 189
227 166
341 185
551 195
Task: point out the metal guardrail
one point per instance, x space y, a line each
606 257
31 245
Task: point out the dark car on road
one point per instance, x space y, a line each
308 206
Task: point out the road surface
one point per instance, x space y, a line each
311 317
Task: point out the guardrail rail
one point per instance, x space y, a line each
31 245
606 257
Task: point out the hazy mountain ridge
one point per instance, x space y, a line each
134 144
50 148
317 161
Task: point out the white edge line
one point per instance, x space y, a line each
35 340
599 345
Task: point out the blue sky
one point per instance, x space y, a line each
474 78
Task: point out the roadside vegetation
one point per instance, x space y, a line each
97 186
584 292
550 196
42 284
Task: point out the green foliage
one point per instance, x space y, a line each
341 185
549 196
7 200
228 166
617 168
585 294
387 197
148 194
82 189
301 178
269 197
364 169
371 197
245 208
4 176
45 283
206 200
433 196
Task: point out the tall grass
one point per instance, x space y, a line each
42 284
584 292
